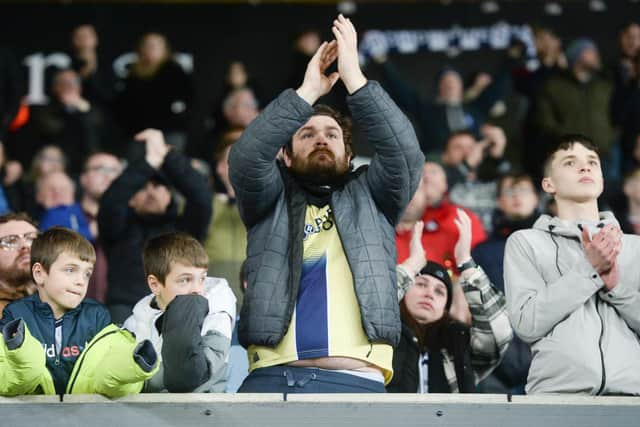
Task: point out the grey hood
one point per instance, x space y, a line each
571 229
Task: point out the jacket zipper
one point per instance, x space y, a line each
55 342
57 350
604 374
81 361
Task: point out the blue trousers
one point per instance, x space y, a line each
289 379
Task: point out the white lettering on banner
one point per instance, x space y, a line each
453 40
38 62
121 63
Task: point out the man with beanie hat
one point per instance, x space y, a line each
577 48
577 101
453 335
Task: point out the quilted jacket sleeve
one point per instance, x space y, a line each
252 166
396 167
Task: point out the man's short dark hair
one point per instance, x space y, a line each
17 216
343 121
566 142
49 245
516 177
161 252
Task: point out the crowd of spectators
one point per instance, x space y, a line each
114 165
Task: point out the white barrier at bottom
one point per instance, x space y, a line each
158 410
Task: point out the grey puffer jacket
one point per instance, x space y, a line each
583 338
366 209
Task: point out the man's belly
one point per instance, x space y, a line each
335 363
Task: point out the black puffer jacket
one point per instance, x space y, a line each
407 354
366 209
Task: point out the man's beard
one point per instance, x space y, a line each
15 276
320 170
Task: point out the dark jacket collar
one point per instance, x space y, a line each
45 308
503 227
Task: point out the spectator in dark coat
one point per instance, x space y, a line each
97 81
138 205
626 114
448 112
517 210
528 82
70 121
577 101
623 70
157 93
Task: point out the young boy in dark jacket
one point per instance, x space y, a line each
55 342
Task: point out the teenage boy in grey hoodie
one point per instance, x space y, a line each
572 284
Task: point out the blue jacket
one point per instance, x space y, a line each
79 326
69 216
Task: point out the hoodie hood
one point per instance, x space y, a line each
573 229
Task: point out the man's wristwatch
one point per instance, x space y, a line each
470 263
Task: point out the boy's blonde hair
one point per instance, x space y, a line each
48 246
161 252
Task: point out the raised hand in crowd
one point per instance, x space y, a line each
462 249
493 144
348 62
12 172
462 253
417 255
480 83
495 139
156 148
316 83
68 89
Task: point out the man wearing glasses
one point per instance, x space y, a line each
100 169
17 232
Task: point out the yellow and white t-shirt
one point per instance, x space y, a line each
326 320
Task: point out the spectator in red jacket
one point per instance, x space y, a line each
431 205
